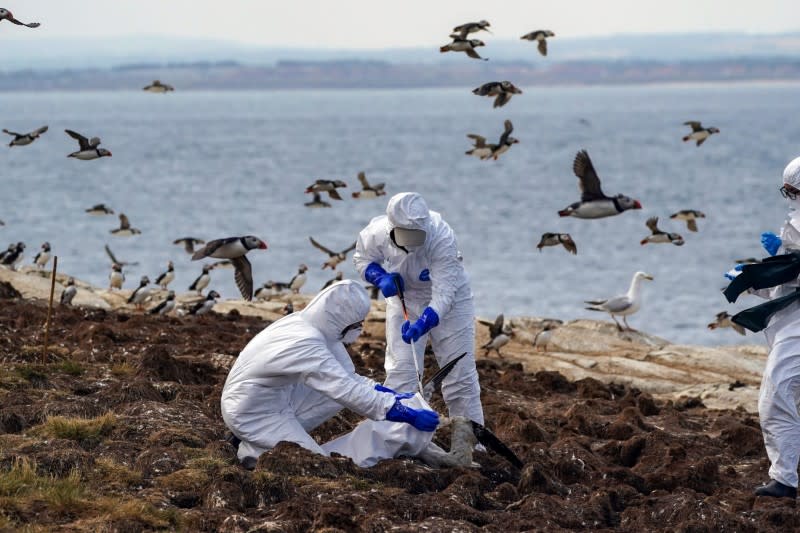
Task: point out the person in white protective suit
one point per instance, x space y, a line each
780 385
414 249
296 374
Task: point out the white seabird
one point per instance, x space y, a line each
623 305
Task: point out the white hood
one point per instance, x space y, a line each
336 307
790 232
408 210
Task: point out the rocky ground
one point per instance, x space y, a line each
117 428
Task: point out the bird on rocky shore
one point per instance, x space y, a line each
24 139
235 249
99 210
271 288
368 191
12 255
502 90
334 258
188 243
658 236
141 293
116 278
470 27
554 239
499 336
88 148
339 277
699 133
165 306
69 292
158 87
723 320
467 46
202 280
203 307
5 14
328 186
299 279
124 229
540 36
594 203
317 202
166 277
43 256
623 305
690 216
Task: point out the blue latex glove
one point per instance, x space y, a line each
737 268
399 396
376 275
770 242
425 275
421 419
426 322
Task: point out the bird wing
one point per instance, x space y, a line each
490 440
14 133
691 224
124 223
83 142
569 244
695 125
320 247
349 248
111 255
701 141
496 328
738 328
652 224
509 127
589 180
363 179
501 100
617 304
472 53
436 380
243 276
334 194
211 247
542 46
480 142
40 131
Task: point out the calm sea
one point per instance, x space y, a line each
214 164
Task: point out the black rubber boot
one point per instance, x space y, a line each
249 463
776 489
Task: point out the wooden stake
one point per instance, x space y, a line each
49 310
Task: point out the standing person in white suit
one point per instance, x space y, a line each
780 385
415 249
296 374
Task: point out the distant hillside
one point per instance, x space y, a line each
32 52
344 74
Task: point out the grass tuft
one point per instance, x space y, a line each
110 472
32 373
71 368
79 429
21 485
123 370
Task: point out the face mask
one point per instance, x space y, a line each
409 237
351 336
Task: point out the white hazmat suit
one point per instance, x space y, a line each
780 385
447 292
296 374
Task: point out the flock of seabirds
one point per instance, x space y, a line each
232 251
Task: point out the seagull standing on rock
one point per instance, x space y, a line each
623 305
235 249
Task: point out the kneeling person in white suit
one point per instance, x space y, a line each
296 374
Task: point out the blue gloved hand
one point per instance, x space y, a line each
737 268
425 275
376 275
770 242
422 419
399 396
426 322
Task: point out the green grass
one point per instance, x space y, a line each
22 484
32 372
71 368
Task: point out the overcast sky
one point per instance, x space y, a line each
383 23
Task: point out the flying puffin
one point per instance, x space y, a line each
188 243
540 36
699 133
467 46
659 236
594 204
5 14
24 139
554 239
317 202
368 191
88 148
158 87
235 249
124 229
470 27
334 258
502 90
328 186
99 210
690 216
